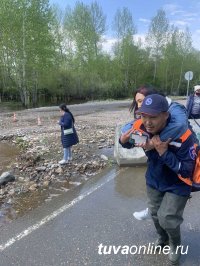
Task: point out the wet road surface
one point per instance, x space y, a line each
69 230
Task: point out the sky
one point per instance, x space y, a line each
181 13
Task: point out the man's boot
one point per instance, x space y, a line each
162 241
163 238
174 254
175 250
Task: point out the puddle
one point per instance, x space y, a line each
7 154
19 205
23 203
7 214
106 151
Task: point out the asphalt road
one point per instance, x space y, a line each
69 230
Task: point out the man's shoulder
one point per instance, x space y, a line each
175 106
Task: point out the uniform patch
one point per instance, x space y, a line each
192 153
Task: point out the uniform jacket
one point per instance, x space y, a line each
162 171
66 122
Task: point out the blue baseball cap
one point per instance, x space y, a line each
153 104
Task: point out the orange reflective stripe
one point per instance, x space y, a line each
137 124
185 135
186 180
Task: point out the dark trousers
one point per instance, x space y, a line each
167 213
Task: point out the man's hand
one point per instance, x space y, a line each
159 145
147 146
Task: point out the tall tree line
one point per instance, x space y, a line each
47 54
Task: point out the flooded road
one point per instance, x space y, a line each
24 203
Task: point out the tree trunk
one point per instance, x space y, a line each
166 78
172 83
180 76
35 90
23 87
155 71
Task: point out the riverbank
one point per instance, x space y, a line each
36 166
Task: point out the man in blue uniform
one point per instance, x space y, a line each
169 166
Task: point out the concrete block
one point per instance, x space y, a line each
127 157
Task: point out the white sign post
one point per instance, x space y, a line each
188 77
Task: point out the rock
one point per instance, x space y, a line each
21 179
104 157
59 170
100 147
33 187
46 183
6 177
11 192
95 163
51 166
40 168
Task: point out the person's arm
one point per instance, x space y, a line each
183 161
178 123
124 140
65 121
60 122
187 103
126 145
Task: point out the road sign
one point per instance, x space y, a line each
189 75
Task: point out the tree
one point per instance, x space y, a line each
157 37
125 49
176 55
84 27
28 44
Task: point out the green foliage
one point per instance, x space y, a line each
47 55
22 144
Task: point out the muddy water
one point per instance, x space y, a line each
7 154
19 205
129 184
23 203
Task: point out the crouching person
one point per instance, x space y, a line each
169 168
